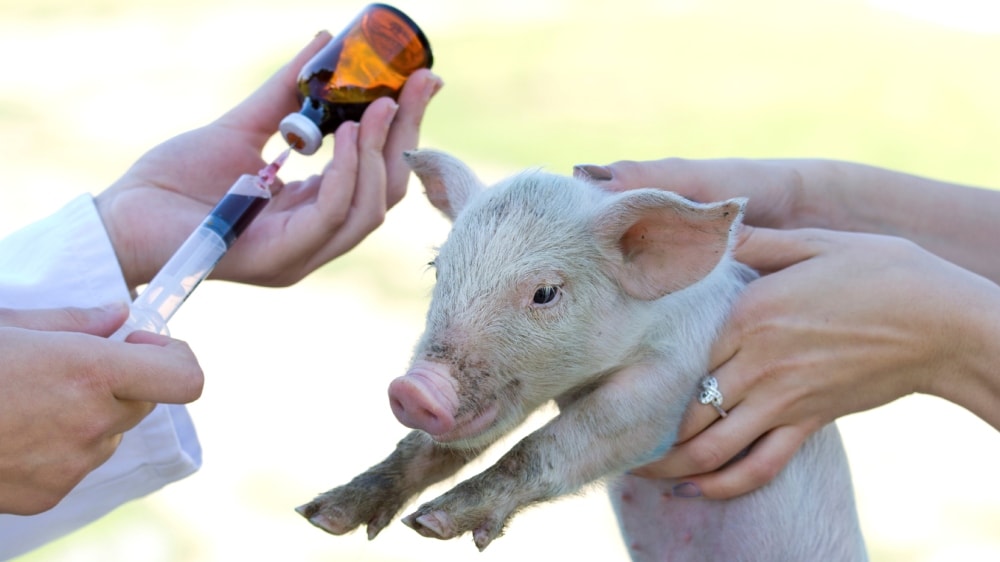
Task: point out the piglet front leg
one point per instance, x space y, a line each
376 496
597 435
483 504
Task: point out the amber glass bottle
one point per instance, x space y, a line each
370 59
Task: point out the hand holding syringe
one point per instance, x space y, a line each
199 254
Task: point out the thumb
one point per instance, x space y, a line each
768 250
698 180
629 174
97 321
276 98
164 370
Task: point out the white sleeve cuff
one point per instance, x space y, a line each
64 260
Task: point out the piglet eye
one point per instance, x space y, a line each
546 294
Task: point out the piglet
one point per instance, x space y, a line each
549 288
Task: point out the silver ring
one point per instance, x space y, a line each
710 394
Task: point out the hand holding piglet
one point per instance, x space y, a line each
846 322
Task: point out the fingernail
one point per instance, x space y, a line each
113 306
686 490
592 172
347 130
391 115
433 88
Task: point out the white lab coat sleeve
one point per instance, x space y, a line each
67 260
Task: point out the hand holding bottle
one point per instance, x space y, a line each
162 198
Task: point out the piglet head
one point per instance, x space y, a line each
544 286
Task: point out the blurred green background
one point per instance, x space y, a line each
88 86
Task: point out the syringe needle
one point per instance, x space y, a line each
268 173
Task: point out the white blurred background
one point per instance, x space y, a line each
295 396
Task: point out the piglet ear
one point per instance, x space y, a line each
449 183
659 242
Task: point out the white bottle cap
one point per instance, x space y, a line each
301 133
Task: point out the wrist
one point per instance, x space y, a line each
819 197
105 203
973 381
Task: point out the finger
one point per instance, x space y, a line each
294 195
356 210
690 178
725 366
153 368
98 321
760 466
768 250
262 110
714 445
629 174
337 184
699 417
142 336
405 130
370 198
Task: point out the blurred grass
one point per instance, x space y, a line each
89 86
770 78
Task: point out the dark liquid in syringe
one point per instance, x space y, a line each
233 214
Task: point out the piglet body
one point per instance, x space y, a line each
551 289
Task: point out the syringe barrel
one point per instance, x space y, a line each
199 254
191 264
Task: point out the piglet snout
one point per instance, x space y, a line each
425 398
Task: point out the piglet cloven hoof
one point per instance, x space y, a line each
326 521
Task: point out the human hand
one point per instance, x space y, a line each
846 322
158 202
69 394
774 187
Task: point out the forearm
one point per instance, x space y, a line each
954 221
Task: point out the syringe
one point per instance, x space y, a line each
199 254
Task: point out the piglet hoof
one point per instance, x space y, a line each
486 532
339 518
333 520
436 525
439 525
